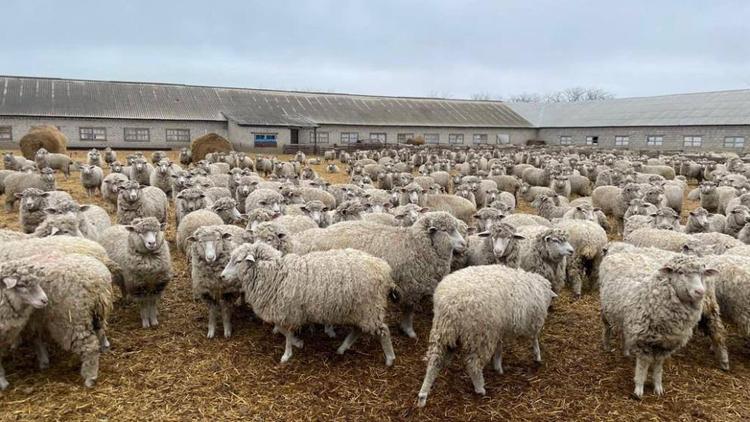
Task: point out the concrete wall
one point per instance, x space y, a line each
115 131
713 136
517 136
243 137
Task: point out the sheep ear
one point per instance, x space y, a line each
19 195
84 207
163 226
281 235
325 209
518 237
710 272
387 205
53 231
484 234
202 195
191 239
9 282
666 270
250 258
129 228
226 236
49 210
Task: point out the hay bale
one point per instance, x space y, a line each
418 140
47 137
209 143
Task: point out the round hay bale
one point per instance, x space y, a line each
418 140
209 143
47 137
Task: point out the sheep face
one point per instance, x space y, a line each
272 234
502 237
227 210
116 167
685 276
21 289
707 188
488 217
667 219
584 212
443 229
145 235
32 199
130 192
349 211
316 211
60 225
556 244
210 244
48 175
247 259
740 215
257 216
413 193
699 217
191 200
162 167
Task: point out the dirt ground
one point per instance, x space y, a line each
174 372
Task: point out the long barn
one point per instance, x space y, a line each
138 115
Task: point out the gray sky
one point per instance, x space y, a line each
389 47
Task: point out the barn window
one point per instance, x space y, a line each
401 138
503 139
265 140
455 138
178 135
622 141
378 136
480 138
6 133
322 137
432 138
133 134
566 140
692 141
654 140
592 140
93 133
729 142
349 137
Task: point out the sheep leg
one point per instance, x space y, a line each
103 341
3 382
226 318
713 327
212 311
497 359
657 375
288 346
606 335
387 345
153 312
407 323
477 378
349 340
90 368
42 356
143 307
330 331
537 349
434 365
641 372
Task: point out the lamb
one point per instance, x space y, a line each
16 183
339 287
736 220
655 307
20 294
210 253
700 221
265 198
91 179
478 309
190 223
110 187
55 161
143 255
34 202
548 209
419 255
189 200
135 201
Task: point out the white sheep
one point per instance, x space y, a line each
190 223
91 179
136 201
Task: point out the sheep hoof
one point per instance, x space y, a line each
227 333
658 390
409 331
638 393
724 366
481 391
421 400
285 358
145 323
389 361
90 382
210 334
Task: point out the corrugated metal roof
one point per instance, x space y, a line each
24 96
703 108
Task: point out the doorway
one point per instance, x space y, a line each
295 137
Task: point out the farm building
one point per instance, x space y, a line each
167 116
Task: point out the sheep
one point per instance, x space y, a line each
664 171
654 306
80 301
110 156
34 202
261 215
589 241
189 200
419 255
186 156
226 208
518 220
732 287
486 247
407 215
18 182
135 201
332 168
659 238
93 158
347 211
478 309
274 234
713 243
639 206
546 207
487 217
13 162
141 171
55 161
110 187
91 179
700 221
143 255
581 211
580 185
561 185
458 207
736 220
529 193
542 250
339 287
296 223
20 295
709 196
158 156
743 199
639 221
190 223
667 218
265 198
614 201
726 195
210 253
59 225
161 177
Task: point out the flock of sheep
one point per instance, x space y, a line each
413 225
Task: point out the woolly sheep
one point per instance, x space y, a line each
419 255
654 306
190 223
542 250
478 309
700 221
339 287
110 187
55 161
614 201
589 241
141 171
33 204
733 289
16 183
58 225
265 198
135 201
143 255
20 295
296 223
226 208
93 158
518 220
91 179
189 200
273 234
529 193
736 220
14 162
161 177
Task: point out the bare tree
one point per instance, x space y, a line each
525 97
569 95
483 96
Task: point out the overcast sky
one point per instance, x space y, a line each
389 47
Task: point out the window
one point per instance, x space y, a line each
349 137
655 140
6 133
378 136
692 141
322 137
480 138
265 140
456 138
503 139
566 140
729 141
592 140
403 137
133 134
432 138
93 133
178 135
622 141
